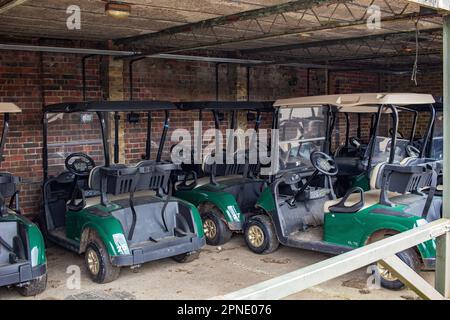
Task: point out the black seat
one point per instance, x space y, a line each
409 180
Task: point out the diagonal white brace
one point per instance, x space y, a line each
411 279
296 281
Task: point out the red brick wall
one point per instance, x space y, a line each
272 82
21 83
428 81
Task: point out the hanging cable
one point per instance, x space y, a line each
416 61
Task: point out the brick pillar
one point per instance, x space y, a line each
241 95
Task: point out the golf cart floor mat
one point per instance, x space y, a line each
150 224
302 215
312 239
310 234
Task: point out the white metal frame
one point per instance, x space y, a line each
384 250
443 244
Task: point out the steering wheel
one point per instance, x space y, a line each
412 151
80 164
324 163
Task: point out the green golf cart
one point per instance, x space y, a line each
299 207
117 214
22 251
228 191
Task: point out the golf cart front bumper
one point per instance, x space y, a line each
429 264
20 272
154 251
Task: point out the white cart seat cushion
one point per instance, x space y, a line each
376 176
370 198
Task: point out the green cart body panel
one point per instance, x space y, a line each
214 194
107 227
266 201
354 229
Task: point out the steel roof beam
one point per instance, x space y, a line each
292 31
393 35
236 17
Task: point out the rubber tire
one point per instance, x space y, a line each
35 287
223 234
270 243
187 257
107 272
409 257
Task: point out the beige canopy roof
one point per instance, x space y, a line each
7 107
362 102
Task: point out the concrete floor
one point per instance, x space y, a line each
217 272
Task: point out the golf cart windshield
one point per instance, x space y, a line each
69 133
301 132
382 150
437 144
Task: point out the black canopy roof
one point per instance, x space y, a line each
110 106
263 106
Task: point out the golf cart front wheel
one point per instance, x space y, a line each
216 230
98 264
34 287
260 235
187 257
389 280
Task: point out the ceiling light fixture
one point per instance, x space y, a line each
117 9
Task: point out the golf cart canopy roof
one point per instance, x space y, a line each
358 103
7 107
110 106
264 106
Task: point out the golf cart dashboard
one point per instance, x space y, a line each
302 172
291 181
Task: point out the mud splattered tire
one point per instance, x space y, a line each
35 287
260 236
187 257
388 280
98 263
216 230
